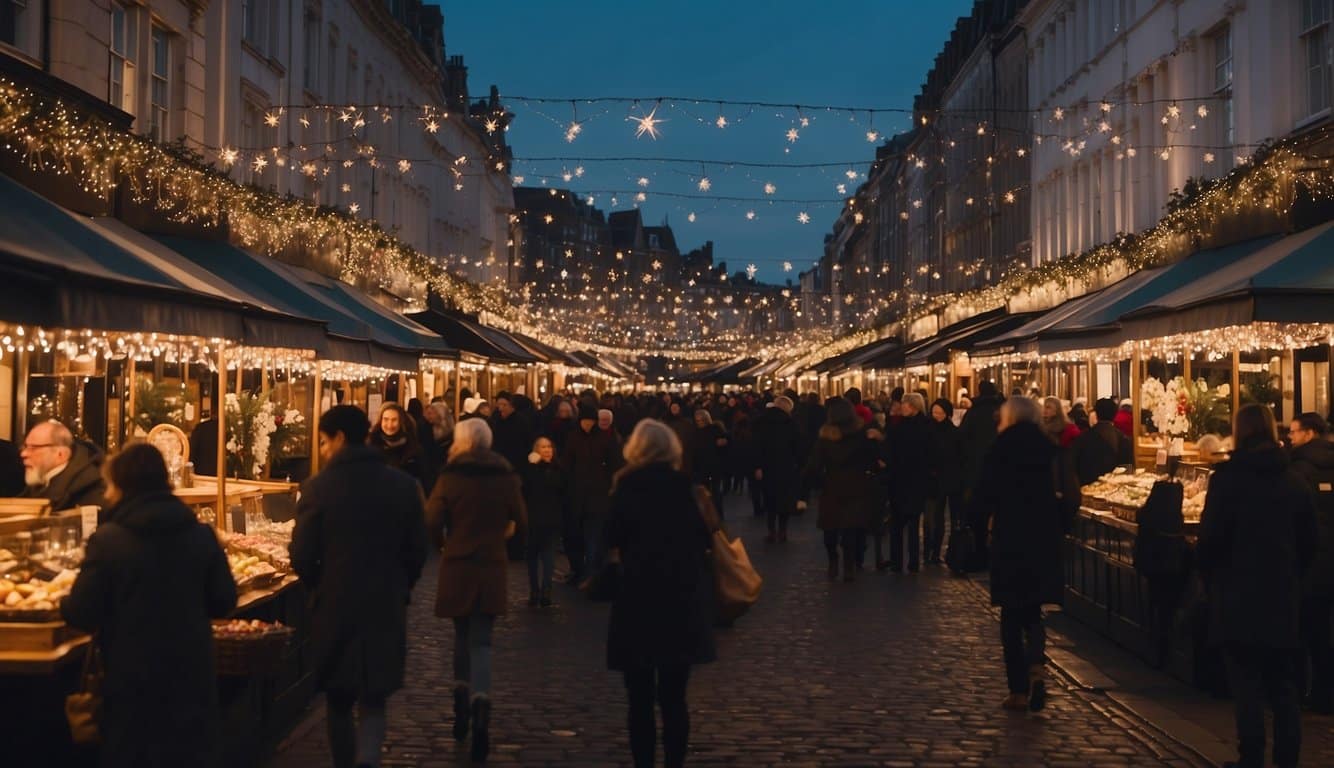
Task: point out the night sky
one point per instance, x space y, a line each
854 54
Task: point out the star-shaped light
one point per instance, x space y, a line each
1208 157
858 217
271 119
1104 127
309 168
804 218
490 125
1165 154
969 201
641 197
917 203
1116 140
305 121
228 156
842 189
566 175
1058 114
520 179
647 124
500 167
354 208
920 163
704 184
432 126
344 116
1009 197
548 218
1202 111
259 163
643 181
579 171
1131 152
787 266
1105 107
1174 111
1021 152
690 217
346 187
404 165
360 122
573 130
721 122
750 215
850 173
386 116
591 200
872 136
769 188
805 122
793 134
982 130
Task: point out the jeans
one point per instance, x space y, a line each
1316 611
355 743
668 686
541 554
472 652
911 521
1024 643
1260 675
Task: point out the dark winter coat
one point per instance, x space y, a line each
977 432
359 547
1017 489
78 484
546 496
944 459
663 613
477 496
1314 462
11 469
433 453
512 437
559 430
778 450
841 464
151 580
590 459
403 453
204 447
709 457
1257 537
909 465
1099 451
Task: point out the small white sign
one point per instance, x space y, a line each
88 515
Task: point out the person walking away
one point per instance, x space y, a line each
545 494
1018 492
1257 538
944 465
743 451
840 464
909 486
977 431
153 565
359 546
1313 460
477 505
1079 416
395 435
590 458
1102 448
708 444
661 620
1124 419
1055 423
778 465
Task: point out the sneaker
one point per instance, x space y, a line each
1015 702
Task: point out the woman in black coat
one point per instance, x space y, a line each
661 620
546 494
152 579
1257 537
1017 490
944 459
709 444
396 435
840 464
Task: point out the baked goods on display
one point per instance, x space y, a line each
1122 490
35 599
250 572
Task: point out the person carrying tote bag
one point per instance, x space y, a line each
736 582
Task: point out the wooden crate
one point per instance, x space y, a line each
38 636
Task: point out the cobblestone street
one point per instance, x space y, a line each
888 671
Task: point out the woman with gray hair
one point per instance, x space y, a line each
477 505
1019 490
661 619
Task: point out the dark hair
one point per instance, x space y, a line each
986 389
946 406
897 395
853 395
415 409
1314 422
1254 428
348 419
504 396
1105 408
840 413
138 470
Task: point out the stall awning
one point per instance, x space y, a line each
724 373
599 365
386 325
546 352
59 273
864 356
1097 324
962 337
1286 281
764 368
351 338
264 325
470 336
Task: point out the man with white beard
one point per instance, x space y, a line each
56 467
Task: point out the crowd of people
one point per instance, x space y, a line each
983 483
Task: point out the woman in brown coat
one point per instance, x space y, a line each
476 506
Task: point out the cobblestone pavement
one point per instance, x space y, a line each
887 671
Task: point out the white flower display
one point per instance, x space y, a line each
1185 409
250 426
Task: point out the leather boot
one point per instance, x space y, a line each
461 713
481 724
1037 688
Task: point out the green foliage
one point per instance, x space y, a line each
157 403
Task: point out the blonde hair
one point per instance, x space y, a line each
470 435
652 442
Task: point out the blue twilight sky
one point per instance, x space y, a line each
832 52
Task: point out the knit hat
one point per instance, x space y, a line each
587 411
471 404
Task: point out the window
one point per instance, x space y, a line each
312 51
1315 44
124 40
1222 87
333 69
255 23
252 137
21 25
161 91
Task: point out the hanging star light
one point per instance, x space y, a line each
490 125
271 119
404 165
573 130
793 134
1208 157
842 189
346 187
750 215
850 173
566 176
259 163
704 184
872 136
305 121
360 122
520 179
641 197
347 163
804 218
787 266
1174 111
228 156
1021 152
647 124
344 115
432 126
1116 140
309 168
1131 152
805 122
354 208
643 181
1104 127
769 188
690 217
591 200
1105 106
721 122
1165 154
579 171
1009 197
1202 111
1058 114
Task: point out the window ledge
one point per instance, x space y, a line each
1311 120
